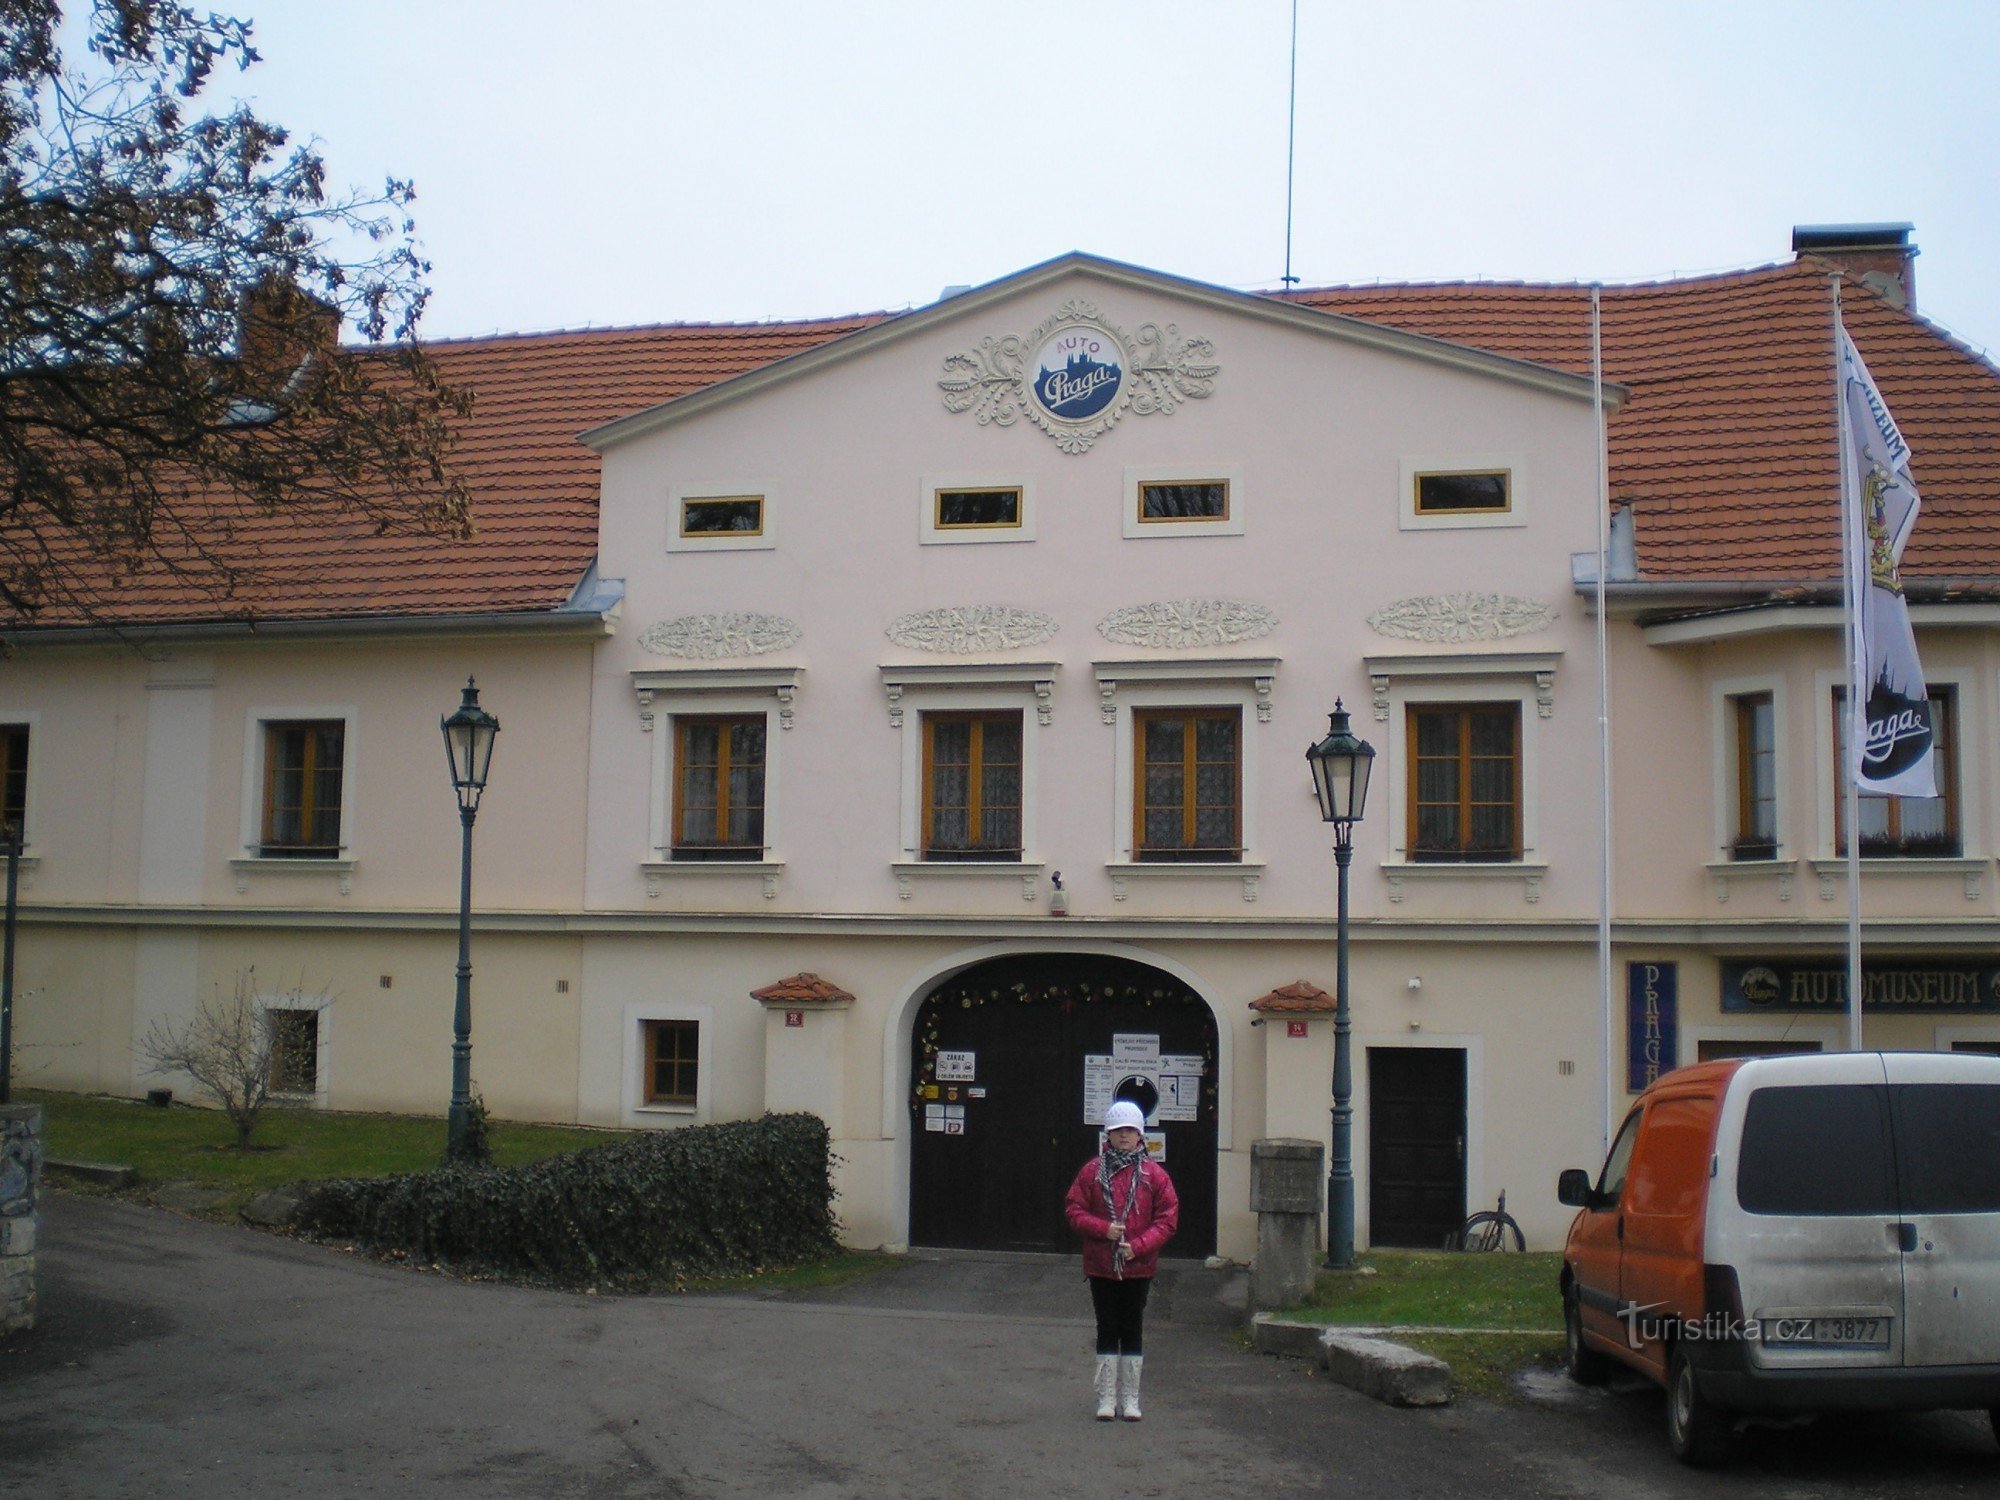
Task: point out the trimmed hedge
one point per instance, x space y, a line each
707 1200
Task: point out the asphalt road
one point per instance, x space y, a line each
181 1358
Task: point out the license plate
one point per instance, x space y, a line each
1848 1331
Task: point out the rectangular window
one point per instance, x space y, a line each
1756 831
1465 782
294 1050
302 789
673 1057
719 788
972 786
977 510
1464 493
1903 827
1819 1150
1184 500
1188 789
722 515
13 779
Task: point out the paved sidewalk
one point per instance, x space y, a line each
183 1358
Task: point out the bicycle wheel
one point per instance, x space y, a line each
1489 1231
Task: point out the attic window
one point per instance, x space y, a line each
978 510
722 515
1464 492
1184 500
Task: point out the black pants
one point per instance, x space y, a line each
1121 1313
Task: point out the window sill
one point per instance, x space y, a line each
1832 871
28 865
1528 872
684 1111
657 871
277 864
1249 871
1027 871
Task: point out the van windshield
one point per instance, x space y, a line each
1817 1150
1907 1148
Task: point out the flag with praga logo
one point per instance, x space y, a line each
1896 752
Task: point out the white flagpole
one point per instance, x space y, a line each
1603 715
1852 539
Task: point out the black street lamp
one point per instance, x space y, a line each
468 740
1340 766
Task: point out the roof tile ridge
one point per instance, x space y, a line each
592 330
1642 283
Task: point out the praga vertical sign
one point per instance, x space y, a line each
1077 374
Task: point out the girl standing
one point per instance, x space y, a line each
1124 1206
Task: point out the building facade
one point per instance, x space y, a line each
903 719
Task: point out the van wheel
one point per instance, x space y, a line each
1585 1365
1697 1429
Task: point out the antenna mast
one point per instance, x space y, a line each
1291 143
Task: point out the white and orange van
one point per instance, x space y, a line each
1801 1233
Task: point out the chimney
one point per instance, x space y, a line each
1879 256
279 326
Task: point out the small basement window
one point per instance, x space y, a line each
977 509
673 1057
1464 493
722 515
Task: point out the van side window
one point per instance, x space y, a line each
1673 1161
1820 1150
1611 1181
1947 1146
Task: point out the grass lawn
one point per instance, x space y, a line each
1427 1289
186 1144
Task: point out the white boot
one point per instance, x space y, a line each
1128 1385
1107 1387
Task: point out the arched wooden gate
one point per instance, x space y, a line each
1012 1061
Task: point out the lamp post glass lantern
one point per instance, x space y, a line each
468 742
1341 764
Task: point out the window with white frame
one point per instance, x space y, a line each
1183 500
14 741
668 1062
1753 729
1460 773
969 755
976 508
1185 783
298 796
714 735
1457 491
294 1049
720 518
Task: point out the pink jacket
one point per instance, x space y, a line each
1156 1214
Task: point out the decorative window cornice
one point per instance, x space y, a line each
781 683
1036 676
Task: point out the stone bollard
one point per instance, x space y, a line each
20 1178
1287 1180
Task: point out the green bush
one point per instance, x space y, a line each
708 1200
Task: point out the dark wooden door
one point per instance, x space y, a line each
1014 1133
1416 1145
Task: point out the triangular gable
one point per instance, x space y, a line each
907 325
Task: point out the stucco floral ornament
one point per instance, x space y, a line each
1077 374
1450 618
1175 624
713 637
966 628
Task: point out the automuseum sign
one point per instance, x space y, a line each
1937 988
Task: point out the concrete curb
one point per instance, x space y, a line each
98 1173
1390 1372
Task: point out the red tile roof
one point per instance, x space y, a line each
1295 999
1725 448
802 989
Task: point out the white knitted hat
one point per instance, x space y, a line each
1124 1114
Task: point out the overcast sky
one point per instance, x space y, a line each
604 162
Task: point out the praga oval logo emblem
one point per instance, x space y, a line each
1077 372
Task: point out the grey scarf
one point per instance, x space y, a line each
1109 1164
